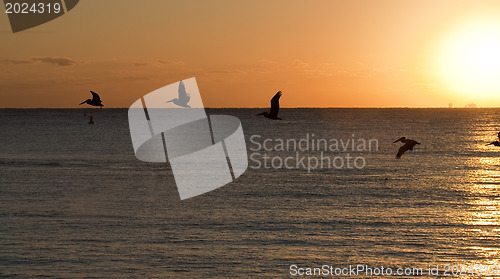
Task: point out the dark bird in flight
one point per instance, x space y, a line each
183 99
495 143
408 145
96 100
275 107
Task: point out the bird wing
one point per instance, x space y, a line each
95 97
184 97
407 146
402 150
275 104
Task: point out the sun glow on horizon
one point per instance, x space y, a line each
470 61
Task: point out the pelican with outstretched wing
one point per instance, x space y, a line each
275 107
183 97
96 100
408 145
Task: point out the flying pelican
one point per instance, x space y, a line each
408 145
96 100
184 97
275 107
495 143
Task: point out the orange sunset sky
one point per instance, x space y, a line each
320 53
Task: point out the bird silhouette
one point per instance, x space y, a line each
183 97
495 143
408 145
96 100
275 107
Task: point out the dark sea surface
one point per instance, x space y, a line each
76 203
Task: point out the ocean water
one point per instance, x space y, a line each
76 203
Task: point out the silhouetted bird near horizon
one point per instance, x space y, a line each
495 143
275 107
96 100
408 145
183 97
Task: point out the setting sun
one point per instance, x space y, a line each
470 62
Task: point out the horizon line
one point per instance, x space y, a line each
395 107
